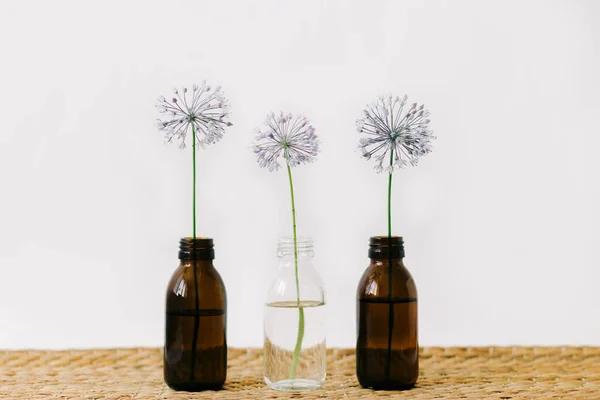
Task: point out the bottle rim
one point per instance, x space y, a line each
386 247
200 247
304 245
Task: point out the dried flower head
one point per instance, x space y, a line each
407 136
283 135
206 111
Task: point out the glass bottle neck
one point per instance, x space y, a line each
386 261
200 264
386 248
303 257
302 246
199 249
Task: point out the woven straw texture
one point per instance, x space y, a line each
446 373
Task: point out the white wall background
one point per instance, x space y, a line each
500 221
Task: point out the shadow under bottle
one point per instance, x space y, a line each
195 354
387 349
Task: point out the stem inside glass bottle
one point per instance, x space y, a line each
195 260
391 310
298 346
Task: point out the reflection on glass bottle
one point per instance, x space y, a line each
195 354
387 349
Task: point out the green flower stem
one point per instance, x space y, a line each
390 196
196 299
194 177
391 306
300 309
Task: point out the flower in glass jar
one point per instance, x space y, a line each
293 139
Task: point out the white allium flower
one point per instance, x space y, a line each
207 111
283 135
388 129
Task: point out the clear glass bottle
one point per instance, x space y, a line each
294 324
195 355
387 349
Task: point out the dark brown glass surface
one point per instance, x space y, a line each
195 356
384 360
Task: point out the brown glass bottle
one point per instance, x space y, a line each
195 356
387 349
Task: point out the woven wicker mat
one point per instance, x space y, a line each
446 373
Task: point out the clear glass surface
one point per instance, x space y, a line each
294 323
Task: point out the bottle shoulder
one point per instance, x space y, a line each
183 285
375 281
284 286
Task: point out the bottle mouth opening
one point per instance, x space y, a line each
304 245
300 241
200 248
386 247
385 240
198 242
